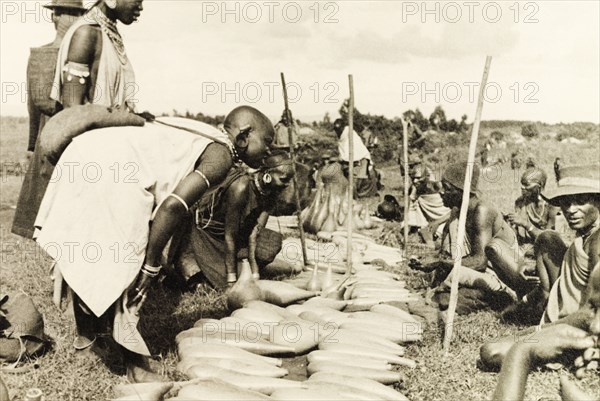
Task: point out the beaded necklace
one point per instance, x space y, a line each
109 27
535 214
258 186
234 154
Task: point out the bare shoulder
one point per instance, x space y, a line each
594 247
484 213
238 191
83 44
215 162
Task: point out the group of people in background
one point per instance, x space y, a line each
550 284
200 194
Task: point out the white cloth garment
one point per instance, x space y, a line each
360 150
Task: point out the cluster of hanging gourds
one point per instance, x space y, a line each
329 209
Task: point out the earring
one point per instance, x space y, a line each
267 178
111 3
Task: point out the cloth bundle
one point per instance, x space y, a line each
60 130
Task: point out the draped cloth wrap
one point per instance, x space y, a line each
566 293
425 209
95 217
360 150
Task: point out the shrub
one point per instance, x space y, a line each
530 131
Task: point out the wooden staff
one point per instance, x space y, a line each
294 179
406 182
463 209
349 219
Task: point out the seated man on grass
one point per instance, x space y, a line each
574 296
564 272
487 237
532 214
426 211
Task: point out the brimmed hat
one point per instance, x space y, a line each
455 175
575 180
66 4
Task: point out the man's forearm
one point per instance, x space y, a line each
513 375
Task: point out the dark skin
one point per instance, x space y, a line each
86 48
237 197
548 345
531 194
482 224
583 213
215 162
577 332
484 230
251 133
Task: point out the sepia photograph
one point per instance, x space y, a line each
299 200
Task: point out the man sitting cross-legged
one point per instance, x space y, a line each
485 228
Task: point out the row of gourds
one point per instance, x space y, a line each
352 340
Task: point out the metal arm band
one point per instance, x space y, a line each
201 174
185 205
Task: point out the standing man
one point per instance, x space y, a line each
370 140
40 75
366 176
41 65
282 139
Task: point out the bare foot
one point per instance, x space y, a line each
138 374
83 342
142 369
427 237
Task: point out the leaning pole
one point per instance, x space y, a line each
463 210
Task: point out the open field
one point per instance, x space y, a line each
64 376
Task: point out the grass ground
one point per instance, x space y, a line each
64 376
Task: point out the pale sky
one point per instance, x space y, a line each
194 55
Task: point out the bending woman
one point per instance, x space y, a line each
107 234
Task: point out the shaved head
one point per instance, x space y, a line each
244 116
251 132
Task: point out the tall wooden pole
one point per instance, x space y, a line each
349 219
463 210
294 179
406 183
